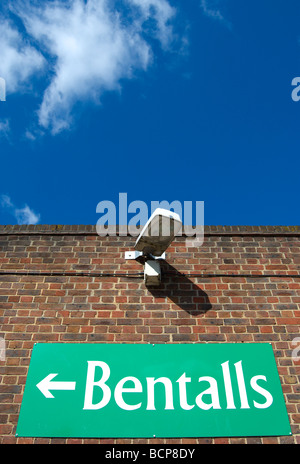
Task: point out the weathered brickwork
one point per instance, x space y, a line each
67 284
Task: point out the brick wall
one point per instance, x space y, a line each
56 285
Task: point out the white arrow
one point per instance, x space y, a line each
46 385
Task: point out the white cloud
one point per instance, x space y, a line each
33 133
4 128
2 89
163 13
211 9
23 215
26 216
91 47
29 135
19 60
6 201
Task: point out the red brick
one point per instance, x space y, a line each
185 309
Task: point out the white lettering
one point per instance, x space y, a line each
228 385
90 384
296 91
122 214
262 391
182 392
191 452
189 229
106 225
213 391
152 453
168 390
139 219
95 399
120 390
242 386
166 222
116 454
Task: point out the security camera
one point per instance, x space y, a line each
155 237
158 233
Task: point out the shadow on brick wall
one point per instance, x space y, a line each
182 291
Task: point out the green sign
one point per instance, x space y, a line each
173 390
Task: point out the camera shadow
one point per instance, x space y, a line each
181 291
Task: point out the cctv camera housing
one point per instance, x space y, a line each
159 232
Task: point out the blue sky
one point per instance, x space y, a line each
161 99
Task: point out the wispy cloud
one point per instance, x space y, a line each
212 10
4 128
6 202
19 60
88 47
23 215
26 216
